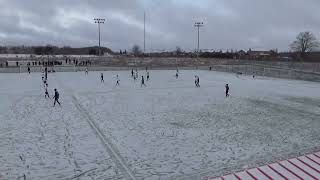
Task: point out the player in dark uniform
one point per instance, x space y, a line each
56 97
148 76
198 81
101 78
45 83
142 81
195 80
46 73
227 90
46 93
118 80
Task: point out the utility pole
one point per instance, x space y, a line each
99 21
144 32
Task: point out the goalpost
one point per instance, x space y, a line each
23 68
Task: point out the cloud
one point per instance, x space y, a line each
228 24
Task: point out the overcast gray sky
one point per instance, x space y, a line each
236 24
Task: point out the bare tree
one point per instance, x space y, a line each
178 50
305 42
136 50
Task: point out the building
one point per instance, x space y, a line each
261 54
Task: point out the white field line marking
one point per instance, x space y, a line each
106 142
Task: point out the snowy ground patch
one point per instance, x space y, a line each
169 129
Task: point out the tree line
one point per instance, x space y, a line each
304 44
53 50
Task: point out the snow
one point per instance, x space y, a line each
169 129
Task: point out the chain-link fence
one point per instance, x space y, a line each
291 70
269 71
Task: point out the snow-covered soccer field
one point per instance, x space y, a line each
169 129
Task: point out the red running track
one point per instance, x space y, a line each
303 168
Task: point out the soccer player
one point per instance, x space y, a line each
101 78
142 81
198 81
118 80
227 90
46 93
56 97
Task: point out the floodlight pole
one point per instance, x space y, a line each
144 33
198 25
99 21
